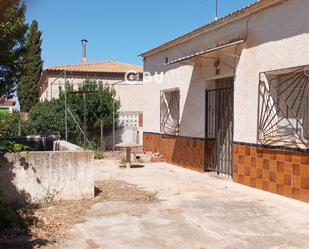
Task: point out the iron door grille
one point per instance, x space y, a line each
219 130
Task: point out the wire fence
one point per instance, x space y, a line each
76 125
119 126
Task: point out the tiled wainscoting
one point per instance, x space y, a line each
183 151
281 171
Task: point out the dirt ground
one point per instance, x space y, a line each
57 218
162 206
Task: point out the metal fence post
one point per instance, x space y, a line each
65 106
101 139
113 123
84 111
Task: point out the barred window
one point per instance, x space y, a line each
284 107
169 111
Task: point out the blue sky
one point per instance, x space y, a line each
119 29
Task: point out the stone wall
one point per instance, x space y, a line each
47 176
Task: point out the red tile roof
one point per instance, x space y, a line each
102 67
7 102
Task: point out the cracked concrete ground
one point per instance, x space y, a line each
196 211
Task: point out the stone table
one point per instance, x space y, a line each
128 148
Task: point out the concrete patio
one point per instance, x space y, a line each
195 211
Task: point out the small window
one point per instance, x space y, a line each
169 111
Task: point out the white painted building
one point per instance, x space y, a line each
235 97
110 73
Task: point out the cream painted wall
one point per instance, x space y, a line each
277 38
130 95
192 80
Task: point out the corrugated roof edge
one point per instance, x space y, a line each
231 17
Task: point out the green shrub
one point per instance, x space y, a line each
98 154
12 147
9 123
13 221
47 118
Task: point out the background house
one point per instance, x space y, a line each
108 72
7 105
234 97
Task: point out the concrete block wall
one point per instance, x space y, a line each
47 176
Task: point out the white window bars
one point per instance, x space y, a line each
284 108
169 111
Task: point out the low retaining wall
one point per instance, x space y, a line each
47 176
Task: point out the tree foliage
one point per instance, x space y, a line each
99 102
12 41
47 118
9 124
31 70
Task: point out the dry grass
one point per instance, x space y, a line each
56 218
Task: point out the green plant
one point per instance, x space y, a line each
12 147
9 124
12 41
50 195
10 218
98 154
47 118
101 102
31 70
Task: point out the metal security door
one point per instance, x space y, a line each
219 130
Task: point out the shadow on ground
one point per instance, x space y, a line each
16 212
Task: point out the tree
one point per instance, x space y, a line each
9 124
12 41
99 101
47 118
31 70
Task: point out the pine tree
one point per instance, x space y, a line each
32 69
12 40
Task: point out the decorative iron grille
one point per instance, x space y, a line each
169 111
284 108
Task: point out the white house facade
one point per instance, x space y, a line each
234 98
